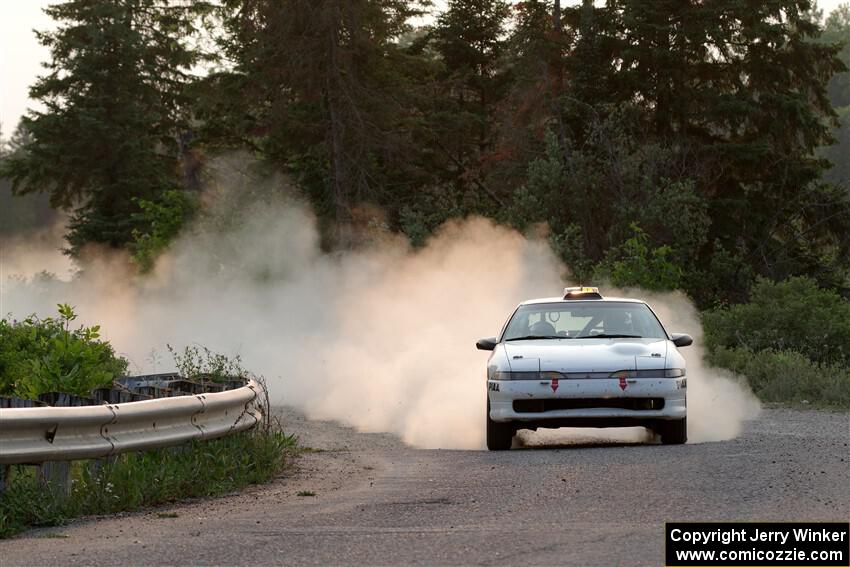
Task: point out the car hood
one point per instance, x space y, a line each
586 355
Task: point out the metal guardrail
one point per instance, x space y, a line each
38 434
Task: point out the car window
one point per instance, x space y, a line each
584 319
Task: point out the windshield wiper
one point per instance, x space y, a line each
532 337
612 336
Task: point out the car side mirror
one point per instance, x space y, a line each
487 344
681 339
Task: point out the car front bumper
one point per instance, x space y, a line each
597 402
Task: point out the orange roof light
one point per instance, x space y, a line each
582 293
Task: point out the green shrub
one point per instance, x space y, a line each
201 363
164 219
794 315
46 355
636 264
787 376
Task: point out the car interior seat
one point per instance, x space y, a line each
618 324
542 328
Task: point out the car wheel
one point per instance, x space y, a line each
499 435
674 431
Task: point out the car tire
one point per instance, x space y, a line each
674 431
500 436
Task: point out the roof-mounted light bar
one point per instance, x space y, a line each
582 293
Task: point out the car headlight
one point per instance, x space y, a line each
529 375
496 374
656 373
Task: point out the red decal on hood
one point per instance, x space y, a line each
623 382
554 385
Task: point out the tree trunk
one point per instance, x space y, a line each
556 16
337 127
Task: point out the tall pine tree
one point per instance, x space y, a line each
114 114
737 89
326 86
470 39
837 31
535 55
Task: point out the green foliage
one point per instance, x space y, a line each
786 376
616 203
46 355
791 342
568 245
636 264
27 504
838 152
331 91
794 315
700 125
836 31
114 124
723 119
163 218
136 480
727 277
469 38
427 210
200 363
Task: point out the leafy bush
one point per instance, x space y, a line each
794 315
201 363
636 264
427 210
787 376
46 355
164 219
610 182
728 277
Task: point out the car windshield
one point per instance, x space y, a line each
583 320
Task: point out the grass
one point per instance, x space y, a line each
136 480
306 493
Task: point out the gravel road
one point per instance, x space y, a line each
576 502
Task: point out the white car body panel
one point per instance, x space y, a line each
587 355
573 357
671 389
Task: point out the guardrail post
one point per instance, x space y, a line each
5 477
56 475
96 466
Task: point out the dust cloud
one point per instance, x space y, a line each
381 338
718 402
29 254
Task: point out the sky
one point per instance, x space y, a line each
21 55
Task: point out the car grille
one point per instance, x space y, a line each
544 405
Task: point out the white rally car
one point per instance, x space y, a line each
585 361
